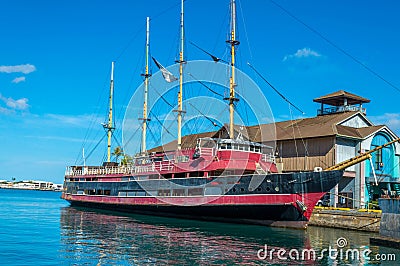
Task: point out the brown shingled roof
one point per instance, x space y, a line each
308 127
286 130
337 98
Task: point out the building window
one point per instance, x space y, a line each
378 161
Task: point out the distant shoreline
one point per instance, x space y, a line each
32 189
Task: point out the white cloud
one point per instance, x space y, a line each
302 53
58 138
18 80
25 69
392 120
20 104
75 120
5 111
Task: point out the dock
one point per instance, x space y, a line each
345 218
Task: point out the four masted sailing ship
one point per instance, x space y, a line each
222 179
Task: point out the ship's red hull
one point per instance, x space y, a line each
272 210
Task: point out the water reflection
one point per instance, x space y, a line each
91 237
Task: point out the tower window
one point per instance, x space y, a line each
378 160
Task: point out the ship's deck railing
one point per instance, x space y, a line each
74 171
108 170
159 166
268 158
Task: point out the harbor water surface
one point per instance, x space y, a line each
39 228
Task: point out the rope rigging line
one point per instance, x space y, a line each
294 134
202 83
336 46
158 120
245 30
214 58
209 119
93 117
90 153
129 140
276 90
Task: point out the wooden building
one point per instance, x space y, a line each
341 130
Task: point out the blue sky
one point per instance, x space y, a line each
55 63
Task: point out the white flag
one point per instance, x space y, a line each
168 76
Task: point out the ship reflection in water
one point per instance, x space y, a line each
103 238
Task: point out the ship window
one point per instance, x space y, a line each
107 192
252 148
130 193
234 189
182 158
164 192
223 146
125 179
140 193
258 189
195 191
228 146
178 192
268 189
257 149
213 191
80 192
168 157
151 193
122 194
242 189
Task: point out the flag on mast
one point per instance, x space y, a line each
168 76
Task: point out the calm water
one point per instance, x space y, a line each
38 228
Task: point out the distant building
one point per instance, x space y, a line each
31 184
341 130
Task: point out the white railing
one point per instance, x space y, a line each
207 152
71 171
164 165
109 170
267 158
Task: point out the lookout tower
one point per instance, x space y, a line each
339 102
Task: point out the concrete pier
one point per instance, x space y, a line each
389 233
346 219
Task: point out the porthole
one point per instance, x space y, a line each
242 189
268 189
259 189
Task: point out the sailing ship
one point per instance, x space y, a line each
222 178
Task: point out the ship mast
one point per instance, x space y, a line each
109 126
181 62
233 42
146 87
